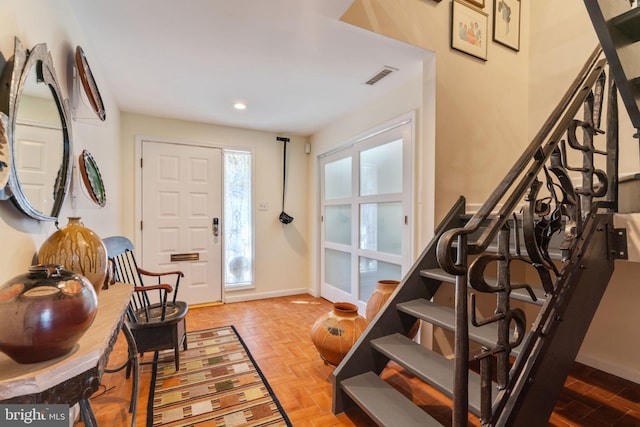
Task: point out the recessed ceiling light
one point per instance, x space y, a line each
240 106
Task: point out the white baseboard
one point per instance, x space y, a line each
229 298
625 372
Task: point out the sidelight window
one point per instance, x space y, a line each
238 224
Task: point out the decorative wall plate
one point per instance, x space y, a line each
89 84
91 178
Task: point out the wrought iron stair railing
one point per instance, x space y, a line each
541 185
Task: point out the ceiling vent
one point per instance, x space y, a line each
381 75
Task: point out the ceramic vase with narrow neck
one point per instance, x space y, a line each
78 249
336 332
44 313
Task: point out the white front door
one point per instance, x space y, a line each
181 216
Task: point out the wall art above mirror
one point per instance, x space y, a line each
38 132
91 178
89 84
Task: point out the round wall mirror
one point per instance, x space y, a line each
39 133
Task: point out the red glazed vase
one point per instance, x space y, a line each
44 313
336 332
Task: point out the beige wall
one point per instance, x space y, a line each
554 65
35 22
282 252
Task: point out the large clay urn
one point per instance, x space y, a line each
77 249
44 313
336 332
383 291
380 295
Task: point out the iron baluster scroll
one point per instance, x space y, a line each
545 200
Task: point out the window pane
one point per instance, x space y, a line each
371 271
238 249
337 179
381 169
337 224
337 269
381 227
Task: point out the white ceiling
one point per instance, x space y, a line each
294 64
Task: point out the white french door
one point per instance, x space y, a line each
366 206
182 215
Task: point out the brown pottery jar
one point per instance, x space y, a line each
380 295
44 313
336 332
77 248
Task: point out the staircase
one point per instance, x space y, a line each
552 214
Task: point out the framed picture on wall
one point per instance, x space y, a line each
506 23
469 29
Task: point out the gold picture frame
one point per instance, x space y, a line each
469 27
506 23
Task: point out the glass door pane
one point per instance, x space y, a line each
337 224
337 179
381 227
381 169
337 271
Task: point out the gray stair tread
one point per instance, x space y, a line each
516 294
430 367
628 23
384 404
444 317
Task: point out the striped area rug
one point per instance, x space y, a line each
218 384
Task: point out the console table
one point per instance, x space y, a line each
72 378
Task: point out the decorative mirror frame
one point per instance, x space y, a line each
91 178
13 79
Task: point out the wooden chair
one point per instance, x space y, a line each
156 322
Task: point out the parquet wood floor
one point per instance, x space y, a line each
277 334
